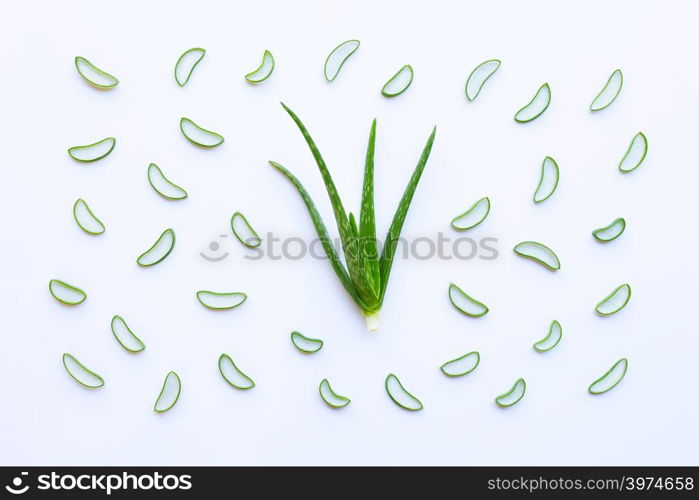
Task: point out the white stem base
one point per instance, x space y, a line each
372 321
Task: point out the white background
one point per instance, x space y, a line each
650 418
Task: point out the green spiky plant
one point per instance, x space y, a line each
366 276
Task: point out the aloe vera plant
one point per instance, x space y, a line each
365 273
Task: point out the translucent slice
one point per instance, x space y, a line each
220 301
80 373
610 232
512 396
169 394
159 250
186 64
635 154
461 366
199 136
615 301
400 396
123 334
552 339
540 253
163 186
609 93
610 379
337 58
399 82
479 76
65 293
549 180
86 219
473 216
306 344
264 71
328 395
536 106
93 75
232 374
465 303
93 152
244 231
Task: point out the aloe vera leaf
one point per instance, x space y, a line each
610 232
94 75
536 106
80 373
330 397
390 244
349 244
337 58
399 82
367 218
609 93
86 220
305 344
635 154
513 396
233 375
479 76
186 63
610 379
400 395
264 71
169 394
322 231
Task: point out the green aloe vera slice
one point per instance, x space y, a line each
462 365
330 397
244 232
65 293
337 58
611 379
80 373
123 334
479 76
93 75
232 373
400 396
198 135
609 93
538 252
465 303
552 338
87 221
615 301
169 394
92 152
264 71
473 216
306 344
186 63
536 106
635 154
399 82
513 396
159 251
163 186
220 301
548 181
610 232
